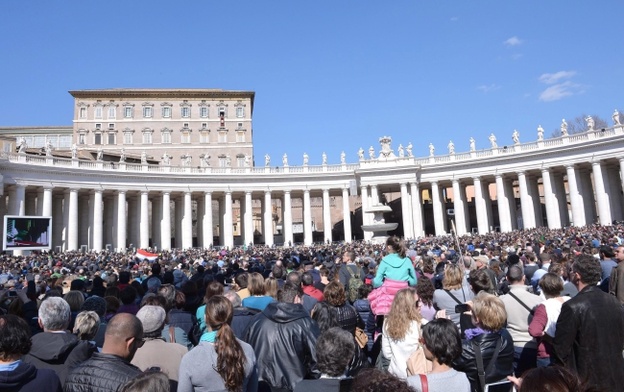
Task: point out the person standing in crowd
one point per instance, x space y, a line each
108 370
395 265
349 269
590 330
520 305
395 272
55 348
348 317
544 323
287 321
455 291
442 344
401 331
155 352
334 348
213 288
616 283
15 374
257 294
491 339
220 362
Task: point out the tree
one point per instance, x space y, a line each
579 125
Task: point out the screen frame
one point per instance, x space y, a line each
6 246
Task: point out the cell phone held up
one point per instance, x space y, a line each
462 308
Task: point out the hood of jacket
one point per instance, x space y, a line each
281 312
50 347
23 373
394 260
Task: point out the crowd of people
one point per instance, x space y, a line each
535 309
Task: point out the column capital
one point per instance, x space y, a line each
122 192
596 163
570 166
248 192
145 192
545 170
99 190
206 193
476 178
521 173
498 175
287 191
455 181
434 183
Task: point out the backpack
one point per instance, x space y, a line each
353 284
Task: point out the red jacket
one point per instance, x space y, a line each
313 292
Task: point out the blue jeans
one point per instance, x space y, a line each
543 362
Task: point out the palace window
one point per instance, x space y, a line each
166 112
128 111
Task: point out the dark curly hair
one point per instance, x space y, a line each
334 294
425 289
480 281
588 268
376 380
334 350
14 337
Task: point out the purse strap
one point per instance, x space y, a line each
531 311
454 297
424 383
478 356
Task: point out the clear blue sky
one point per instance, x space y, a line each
329 75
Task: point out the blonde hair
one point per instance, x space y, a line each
86 325
270 285
403 311
255 284
453 277
490 311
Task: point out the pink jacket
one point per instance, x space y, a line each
381 298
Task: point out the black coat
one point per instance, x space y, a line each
590 338
283 337
26 377
503 366
101 373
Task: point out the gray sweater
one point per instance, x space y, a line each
197 373
451 380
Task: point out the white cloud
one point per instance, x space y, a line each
560 91
556 77
513 41
486 89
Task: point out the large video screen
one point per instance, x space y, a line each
27 232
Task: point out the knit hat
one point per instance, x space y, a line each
96 304
152 317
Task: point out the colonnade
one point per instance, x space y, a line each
96 218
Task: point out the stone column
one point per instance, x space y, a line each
586 191
187 221
366 216
121 221
228 234
207 230
438 213
165 222
46 209
552 206
110 215
288 219
65 220
268 219
604 210
526 202
72 226
504 215
416 210
144 221
85 220
39 209
560 195
17 200
480 207
346 215
248 219
459 205
408 226
134 216
307 218
98 220
327 224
